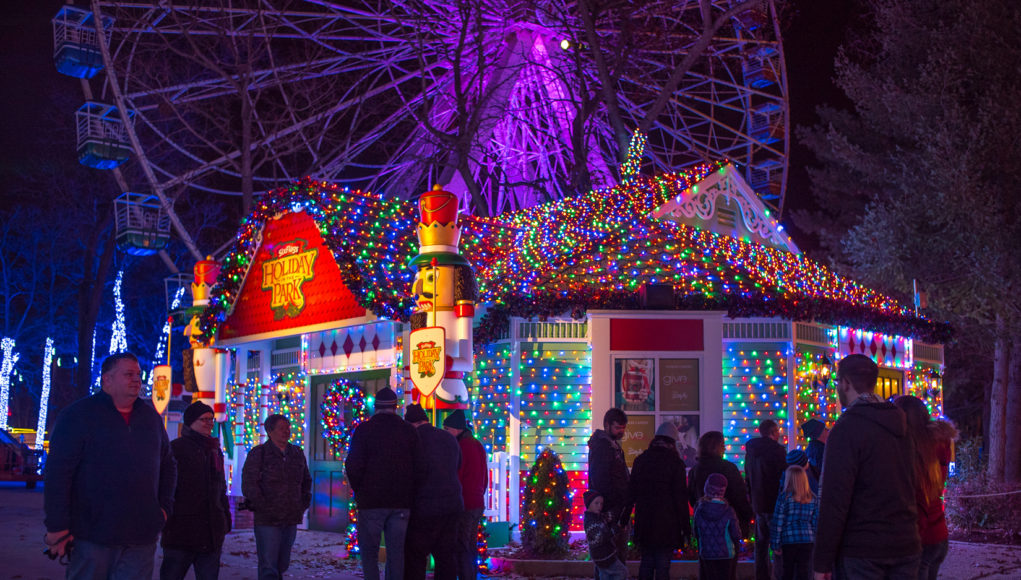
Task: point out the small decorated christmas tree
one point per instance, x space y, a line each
547 517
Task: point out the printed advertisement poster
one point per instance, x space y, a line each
633 384
687 436
678 384
640 430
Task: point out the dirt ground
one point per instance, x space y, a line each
320 554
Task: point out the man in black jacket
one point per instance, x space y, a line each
438 502
194 534
380 467
765 461
110 478
608 473
867 519
278 486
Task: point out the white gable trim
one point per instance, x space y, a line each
697 206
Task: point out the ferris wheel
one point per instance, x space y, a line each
510 102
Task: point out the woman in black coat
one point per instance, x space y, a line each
657 491
710 460
193 536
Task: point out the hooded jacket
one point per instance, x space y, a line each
607 471
717 529
660 496
867 509
764 463
737 492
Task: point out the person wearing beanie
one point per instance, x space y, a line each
437 506
278 488
764 464
711 446
815 432
474 477
599 533
193 535
717 530
800 458
380 467
414 413
659 495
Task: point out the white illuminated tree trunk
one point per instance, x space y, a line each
44 395
6 368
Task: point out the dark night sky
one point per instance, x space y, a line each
811 40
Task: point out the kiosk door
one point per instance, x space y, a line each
330 491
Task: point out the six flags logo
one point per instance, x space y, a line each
284 275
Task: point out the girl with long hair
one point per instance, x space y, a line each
933 441
793 524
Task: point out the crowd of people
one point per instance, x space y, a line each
862 501
116 486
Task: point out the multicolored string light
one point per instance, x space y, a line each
591 251
754 389
547 503
342 409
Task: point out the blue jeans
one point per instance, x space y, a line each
372 525
655 564
932 557
96 561
615 571
273 544
176 563
903 568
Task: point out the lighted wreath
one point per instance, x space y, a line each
341 395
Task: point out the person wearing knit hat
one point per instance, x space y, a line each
718 531
380 467
797 457
386 398
194 532
660 497
195 410
599 534
474 477
800 458
816 432
414 413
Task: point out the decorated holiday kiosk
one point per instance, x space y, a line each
677 297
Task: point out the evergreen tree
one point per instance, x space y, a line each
919 181
544 530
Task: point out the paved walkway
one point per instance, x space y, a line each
320 554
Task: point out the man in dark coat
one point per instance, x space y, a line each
380 467
607 471
278 486
867 516
438 503
474 477
658 492
764 463
194 533
816 433
711 447
110 478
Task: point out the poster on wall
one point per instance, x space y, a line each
640 430
687 436
678 384
634 384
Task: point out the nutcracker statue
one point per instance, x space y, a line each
206 369
440 343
